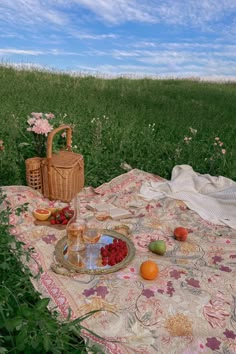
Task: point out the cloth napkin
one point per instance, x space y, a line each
213 198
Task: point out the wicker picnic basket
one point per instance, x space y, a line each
34 173
63 172
59 176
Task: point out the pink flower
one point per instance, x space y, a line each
31 121
63 135
1 145
220 143
217 138
37 115
49 115
223 151
42 126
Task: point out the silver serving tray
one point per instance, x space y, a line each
89 260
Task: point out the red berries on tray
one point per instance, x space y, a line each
61 216
114 253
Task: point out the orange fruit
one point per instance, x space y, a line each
41 214
149 270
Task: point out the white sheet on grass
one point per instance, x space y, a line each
213 198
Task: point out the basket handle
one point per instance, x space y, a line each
52 134
49 151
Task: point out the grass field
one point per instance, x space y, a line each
140 122
151 125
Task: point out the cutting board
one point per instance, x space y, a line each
47 223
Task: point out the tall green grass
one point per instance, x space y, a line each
141 122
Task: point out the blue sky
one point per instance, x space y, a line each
164 38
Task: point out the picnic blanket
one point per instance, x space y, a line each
189 308
213 198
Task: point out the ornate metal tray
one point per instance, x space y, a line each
91 265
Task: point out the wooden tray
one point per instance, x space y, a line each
47 223
106 238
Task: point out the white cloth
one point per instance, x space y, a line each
213 198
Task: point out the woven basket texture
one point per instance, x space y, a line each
66 175
33 173
58 176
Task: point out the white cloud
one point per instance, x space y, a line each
60 28
4 51
55 52
30 12
175 12
83 35
116 11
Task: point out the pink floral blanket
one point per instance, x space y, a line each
189 308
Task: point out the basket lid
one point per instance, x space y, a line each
66 159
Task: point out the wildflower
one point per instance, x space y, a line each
49 115
193 131
125 166
223 151
215 144
31 121
40 127
1 145
220 143
152 126
37 115
217 138
178 151
63 135
187 139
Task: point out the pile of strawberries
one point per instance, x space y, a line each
114 253
61 216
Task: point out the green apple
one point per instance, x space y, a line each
158 247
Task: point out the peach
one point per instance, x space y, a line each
181 233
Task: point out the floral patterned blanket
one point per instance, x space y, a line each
189 308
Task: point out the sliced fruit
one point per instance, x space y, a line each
41 214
